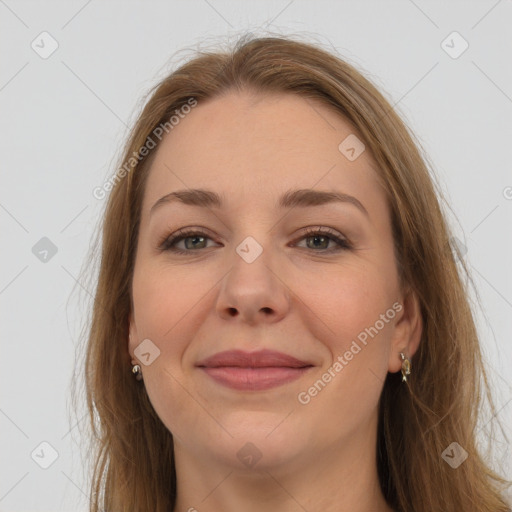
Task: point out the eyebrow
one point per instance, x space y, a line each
291 199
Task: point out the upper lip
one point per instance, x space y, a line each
259 359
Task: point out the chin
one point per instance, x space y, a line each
261 442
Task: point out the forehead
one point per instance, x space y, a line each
253 147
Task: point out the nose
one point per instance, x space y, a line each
253 291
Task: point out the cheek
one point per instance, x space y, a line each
348 322
347 302
164 309
162 302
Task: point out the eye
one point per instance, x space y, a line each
198 241
195 240
322 236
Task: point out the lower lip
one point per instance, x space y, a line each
254 379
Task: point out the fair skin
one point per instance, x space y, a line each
298 297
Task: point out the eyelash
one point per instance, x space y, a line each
167 243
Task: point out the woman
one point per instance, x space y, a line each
279 320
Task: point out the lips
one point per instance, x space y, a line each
254 371
260 359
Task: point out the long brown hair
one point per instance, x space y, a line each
131 448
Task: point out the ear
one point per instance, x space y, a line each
406 330
133 340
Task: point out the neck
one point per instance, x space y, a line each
341 478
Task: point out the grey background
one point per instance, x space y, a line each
63 121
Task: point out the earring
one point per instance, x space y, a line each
406 367
137 371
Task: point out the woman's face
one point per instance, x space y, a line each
256 275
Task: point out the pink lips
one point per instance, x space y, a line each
253 370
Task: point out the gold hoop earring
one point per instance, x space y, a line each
406 367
